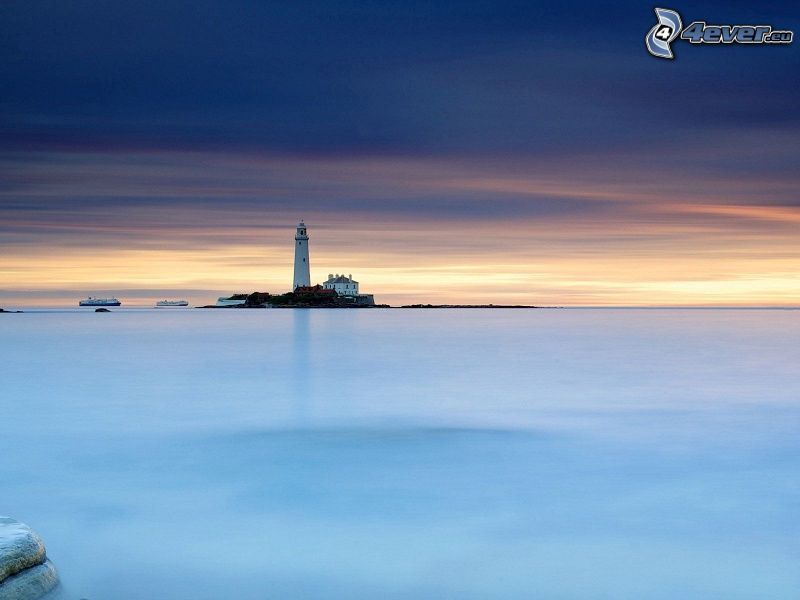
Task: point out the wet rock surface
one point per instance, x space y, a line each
30 584
25 572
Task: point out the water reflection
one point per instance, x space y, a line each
302 373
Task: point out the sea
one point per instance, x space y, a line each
406 453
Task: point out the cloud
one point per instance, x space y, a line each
528 144
418 77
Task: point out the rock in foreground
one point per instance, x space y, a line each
25 572
20 548
30 584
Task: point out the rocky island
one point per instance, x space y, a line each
302 297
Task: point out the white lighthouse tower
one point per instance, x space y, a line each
302 271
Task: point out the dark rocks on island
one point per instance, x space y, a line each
3 310
101 310
25 571
306 297
302 297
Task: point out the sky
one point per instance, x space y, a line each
484 152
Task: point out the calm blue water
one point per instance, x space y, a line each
407 454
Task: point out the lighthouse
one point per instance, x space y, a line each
302 272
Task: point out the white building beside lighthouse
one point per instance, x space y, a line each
302 269
344 285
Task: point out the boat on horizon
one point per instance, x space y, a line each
171 303
90 301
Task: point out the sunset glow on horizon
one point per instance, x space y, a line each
475 234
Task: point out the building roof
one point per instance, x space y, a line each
340 279
312 289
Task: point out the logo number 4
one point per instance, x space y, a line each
664 32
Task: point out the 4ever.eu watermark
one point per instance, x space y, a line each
670 28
